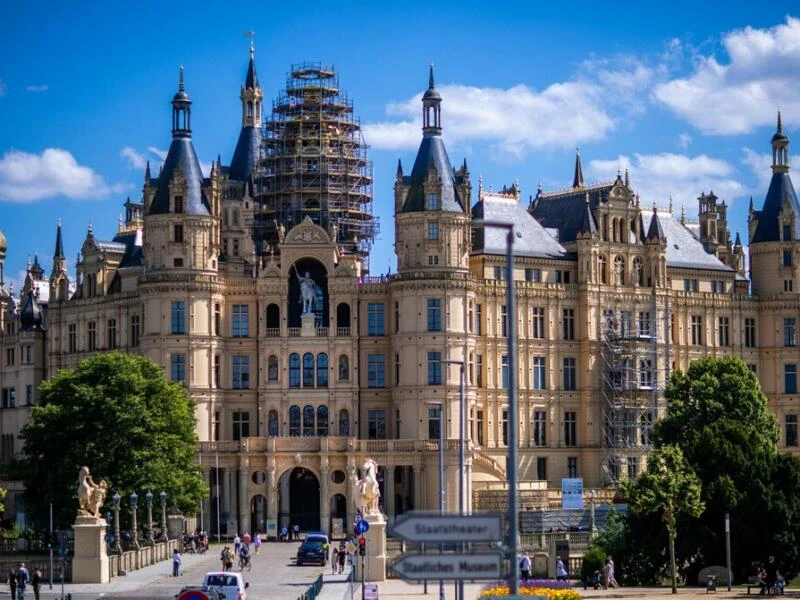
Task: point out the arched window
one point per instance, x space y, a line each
603 269
294 420
343 316
308 370
272 423
273 320
344 422
322 421
344 368
308 420
294 370
272 368
322 370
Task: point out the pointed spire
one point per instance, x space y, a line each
588 227
431 108
780 149
432 86
89 230
59 251
780 125
738 242
683 214
655 232
399 172
147 173
480 186
670 204
181 86
181 111
577 179
751 210
627 179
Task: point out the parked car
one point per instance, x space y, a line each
312 552
231 585
318 536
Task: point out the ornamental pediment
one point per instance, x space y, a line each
307 232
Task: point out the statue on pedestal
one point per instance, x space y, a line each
91 495
367 492
307 292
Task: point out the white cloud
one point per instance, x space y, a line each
684 140
762 72
26 177
760 164
161 154
3 88
136 160
656 177
513 121
156 156
36 88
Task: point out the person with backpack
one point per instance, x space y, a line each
227 559
525 567
23 577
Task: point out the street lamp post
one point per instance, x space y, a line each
163 497
513 417
117 546
134 526
149 498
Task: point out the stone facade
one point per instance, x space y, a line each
610 297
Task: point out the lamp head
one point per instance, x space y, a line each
149 497
116 498
163 496
134 499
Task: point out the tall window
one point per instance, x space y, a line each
479 427
504 427
375 318
294 370
471 317
178 317
646 373
479 319
9 397
241 320
570 373
434 422
568 324
344 368
633 467
750 333
111 333
539 380
537 323
344 422
178 368
322 370
790 332
241 371
433 201
322 421
92 336
241 424
376 424
479 370
308 420
72 338
178 233
294 420
790 430
504 371
790 379
434 368
272 368
697 330
308 370
272 423
539 428
724 331
572 466
503 321
433 230
541 468
570 428
434 314
787 258
643 324
178 204
376 370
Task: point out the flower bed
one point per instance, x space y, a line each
544 588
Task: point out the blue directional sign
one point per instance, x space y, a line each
362 527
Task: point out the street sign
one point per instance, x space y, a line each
418 567
351 548
438 528
362 527
357 519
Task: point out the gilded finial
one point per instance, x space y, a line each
181 86
430 77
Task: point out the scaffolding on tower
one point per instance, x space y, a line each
314 164
632 387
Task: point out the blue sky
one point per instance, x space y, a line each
684 95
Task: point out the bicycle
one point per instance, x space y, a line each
244 563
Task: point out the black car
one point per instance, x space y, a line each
311 552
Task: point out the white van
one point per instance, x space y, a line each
231 584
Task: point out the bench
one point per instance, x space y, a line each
753 582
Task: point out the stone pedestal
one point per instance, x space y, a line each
90 563
175 527
308 328
375 560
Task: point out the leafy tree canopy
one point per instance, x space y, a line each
118 415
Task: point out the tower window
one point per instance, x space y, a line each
433 201
178 203
433 230
787 258
178 234
787 232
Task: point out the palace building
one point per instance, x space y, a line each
251 287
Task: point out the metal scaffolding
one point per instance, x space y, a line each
314 164
632 387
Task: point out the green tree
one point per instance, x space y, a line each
719 417
118 415
669 487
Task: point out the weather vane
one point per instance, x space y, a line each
250 34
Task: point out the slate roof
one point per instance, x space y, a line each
181 155
251 81
684 249
565 210
531 239
780 188
245 156
431 153
132 242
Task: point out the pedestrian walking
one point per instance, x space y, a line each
176 563
36 582
342 557
334 559
525 567
296 531
561 572
257 542
23 578
237 542
11 580
608 572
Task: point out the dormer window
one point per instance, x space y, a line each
433 201
787 232
178 204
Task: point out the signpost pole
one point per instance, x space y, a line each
362 572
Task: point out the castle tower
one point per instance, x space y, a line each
59 277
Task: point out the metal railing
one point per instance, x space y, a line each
313 590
